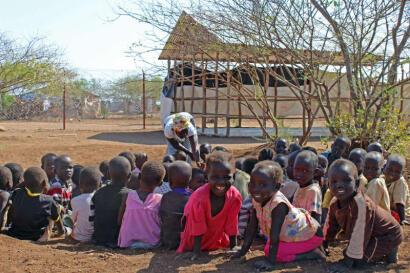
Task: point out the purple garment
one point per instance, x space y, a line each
182 191
141 220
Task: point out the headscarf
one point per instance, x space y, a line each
180 123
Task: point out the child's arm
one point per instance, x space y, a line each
250 233
316 216
3 216
122 210
402 212
278 217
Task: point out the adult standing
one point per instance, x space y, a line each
181 135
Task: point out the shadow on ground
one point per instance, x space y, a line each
157 138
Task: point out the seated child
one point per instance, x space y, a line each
265 154
76 180
339 148
290 186
6 184
281 146
168 159
17 172
197 179
173 204
134 182
375 147
293 148
107 201
309 195
181 155
204 150
61 186
373 233
47 164
89 179
292 233
239 163
211 213
248 164
397 186
376 187
164 187
139 213
131 159
32 212
140 159
282 160
104 169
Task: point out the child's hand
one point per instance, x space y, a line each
338 268
264 265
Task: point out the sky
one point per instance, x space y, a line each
91 44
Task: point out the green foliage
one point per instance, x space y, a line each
6 101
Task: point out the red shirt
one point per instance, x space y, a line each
199 221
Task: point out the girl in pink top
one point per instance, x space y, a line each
139 212
212 210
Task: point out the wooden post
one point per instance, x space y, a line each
339 93
401 91
217 95
182 84
193 84
239 101
203 94
143 100
275 102
304 110
228 99
175 87
266 87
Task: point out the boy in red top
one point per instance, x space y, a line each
61 186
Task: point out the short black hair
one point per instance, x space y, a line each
218 157
397 158
120 168
196 171
359 151
219 148
152 172
130 157
168 159
103 167
76 174
310 156
5 177
90 177
273 169
265 154
282 160
341 162
61 158
375 147
375 156
35 179
294 147
46 157
309 148
180 169
249 164
17 172
239 163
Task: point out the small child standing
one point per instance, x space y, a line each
47 164
139 212
173 204
197 179
397 187
6 184
376 187
82 214
309 195
212 211
372 232
106 203
293 234
61 186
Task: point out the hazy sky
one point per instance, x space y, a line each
91 45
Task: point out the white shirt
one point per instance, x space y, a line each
169 124
83 228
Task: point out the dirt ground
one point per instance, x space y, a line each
90 142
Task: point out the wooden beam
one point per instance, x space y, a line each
217 95
228 100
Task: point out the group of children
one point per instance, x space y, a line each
132 202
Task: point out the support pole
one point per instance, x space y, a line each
64 99
143 100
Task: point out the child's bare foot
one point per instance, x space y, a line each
321 253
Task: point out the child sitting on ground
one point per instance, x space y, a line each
292 233
204 150
32 212
164 187
173 204
61 186
373 233
107 201
290 186
265 154
140 159
47 164
309 195
281 146
104 169
211 213
339 148
376 187
131 159
76 180
180 155
397 187
17 172
82 215
197 179
6 184
138 216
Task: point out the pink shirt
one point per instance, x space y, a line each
199 221
141 220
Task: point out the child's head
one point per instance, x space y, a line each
90 179
197 179
321 167
248 164
343 179
306 163
152 174
265 154
166 166
266 178
291 162
357 156
47 164
220 149
239 163
282 160
134 182
309 148
76 174
179 174
64 167
35 179
281 146
219 172
130 157
120 170
294 147
17 173
375 147
105 170
168 159
180 155
204 150
340 146
394 167
6 179
140 159
373 164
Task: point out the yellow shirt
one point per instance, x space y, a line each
377 191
